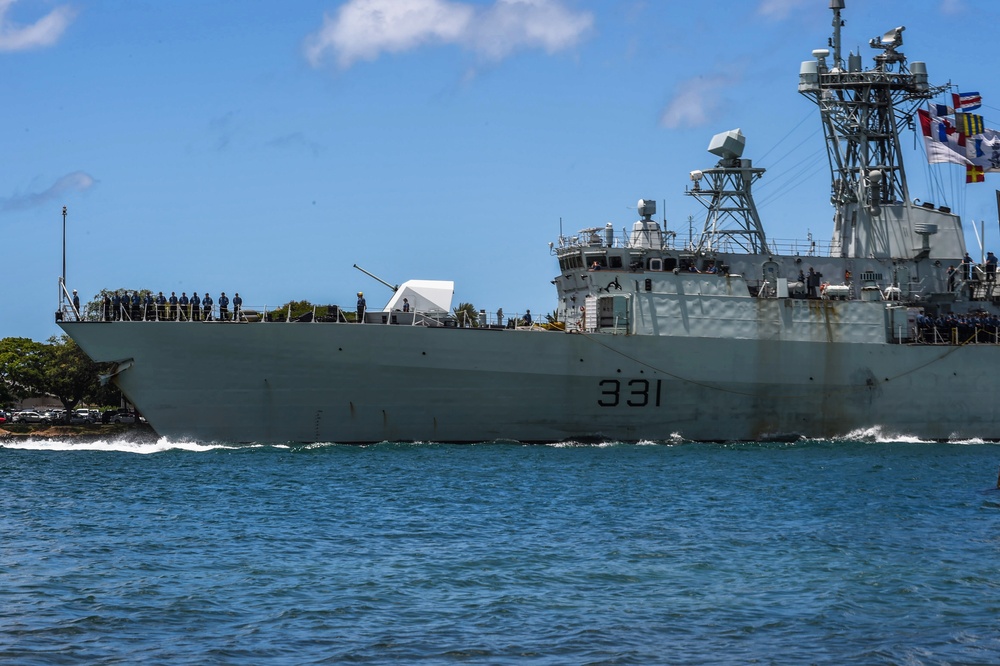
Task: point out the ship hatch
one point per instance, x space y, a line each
608 313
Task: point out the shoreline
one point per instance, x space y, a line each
17 431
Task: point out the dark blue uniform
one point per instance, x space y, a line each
223 307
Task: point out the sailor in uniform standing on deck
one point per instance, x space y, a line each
206 307
361 307
223 307
237 306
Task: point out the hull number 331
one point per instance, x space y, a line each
632 392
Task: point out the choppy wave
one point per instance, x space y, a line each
881 435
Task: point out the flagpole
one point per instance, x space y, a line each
64 246
62 283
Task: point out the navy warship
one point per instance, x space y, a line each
731 336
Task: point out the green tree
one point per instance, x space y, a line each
93 309
68 373
294 309
58 368
467 315
22 365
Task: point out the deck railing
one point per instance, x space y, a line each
254 314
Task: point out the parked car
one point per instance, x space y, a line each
123 417
28 417
80 417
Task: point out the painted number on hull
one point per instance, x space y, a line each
634 393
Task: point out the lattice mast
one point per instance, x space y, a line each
861 112
732 220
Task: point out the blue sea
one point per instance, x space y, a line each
870 551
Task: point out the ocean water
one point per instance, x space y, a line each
848 552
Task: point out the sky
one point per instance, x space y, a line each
266 147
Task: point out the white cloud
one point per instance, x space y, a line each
511 25
780 9
364 29
77 181
952 6
43 32
694 102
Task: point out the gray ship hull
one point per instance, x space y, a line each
324 382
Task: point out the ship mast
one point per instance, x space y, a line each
732 214
861 112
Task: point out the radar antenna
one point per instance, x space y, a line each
732 213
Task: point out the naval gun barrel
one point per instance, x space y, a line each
394 287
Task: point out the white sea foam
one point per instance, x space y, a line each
955 439
572 444
121 445
879 435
